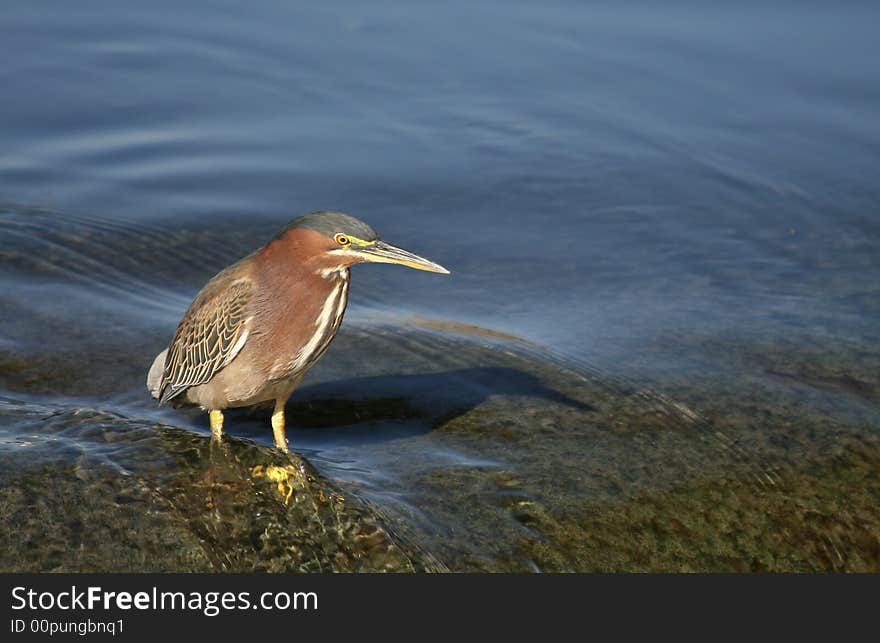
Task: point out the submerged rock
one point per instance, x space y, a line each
87 491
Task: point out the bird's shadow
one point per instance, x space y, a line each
378 408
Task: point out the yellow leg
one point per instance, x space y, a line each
278 426
216 424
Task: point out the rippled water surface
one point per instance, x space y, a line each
658 349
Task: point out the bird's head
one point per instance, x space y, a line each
336 240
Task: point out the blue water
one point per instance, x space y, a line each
594 166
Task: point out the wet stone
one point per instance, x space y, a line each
154 498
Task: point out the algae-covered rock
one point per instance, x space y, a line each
88 491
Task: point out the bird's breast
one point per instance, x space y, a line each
313 321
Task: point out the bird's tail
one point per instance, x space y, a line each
154 377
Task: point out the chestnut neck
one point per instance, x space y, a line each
299 254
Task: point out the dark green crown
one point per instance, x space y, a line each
330 223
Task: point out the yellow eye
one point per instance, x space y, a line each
342 240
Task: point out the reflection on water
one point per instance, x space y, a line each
657 350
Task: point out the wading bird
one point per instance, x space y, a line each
258 326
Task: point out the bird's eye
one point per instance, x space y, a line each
342 240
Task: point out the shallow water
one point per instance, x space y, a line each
658 349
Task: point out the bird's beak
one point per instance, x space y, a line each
381 252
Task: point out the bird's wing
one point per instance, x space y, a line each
209 336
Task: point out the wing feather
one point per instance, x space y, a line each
208 337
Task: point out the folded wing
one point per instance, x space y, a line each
209 336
